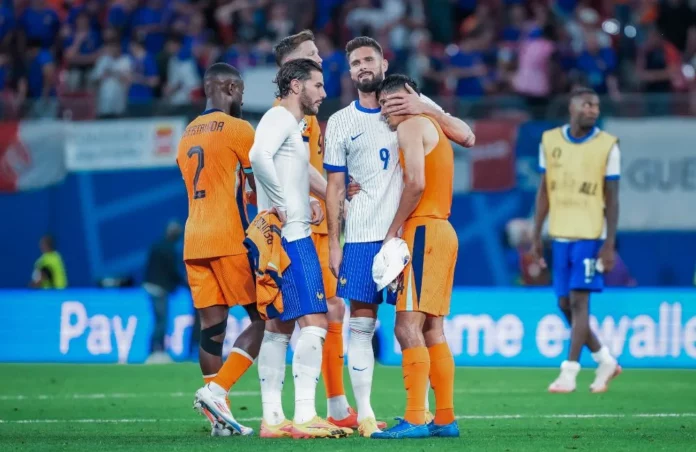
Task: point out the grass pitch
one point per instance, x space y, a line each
111 407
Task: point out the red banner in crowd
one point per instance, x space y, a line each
31 155
493 157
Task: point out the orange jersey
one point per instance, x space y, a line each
212 150
311 134
436 201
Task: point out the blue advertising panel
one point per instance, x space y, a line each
486 327
523 327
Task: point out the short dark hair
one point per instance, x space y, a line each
363 41
395 82
49 241
300 69
289 44
581 91
221 70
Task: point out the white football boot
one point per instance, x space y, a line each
214 408
606 371
566 380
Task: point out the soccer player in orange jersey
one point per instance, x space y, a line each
423 296
212 148
339 412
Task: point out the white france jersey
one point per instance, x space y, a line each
280 162
359 140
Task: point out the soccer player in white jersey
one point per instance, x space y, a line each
359 141
579 191
280 163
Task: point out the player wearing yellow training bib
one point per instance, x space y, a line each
580 167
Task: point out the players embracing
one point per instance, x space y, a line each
359 141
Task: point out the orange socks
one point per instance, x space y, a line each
332 361
442 381
416 365
234 367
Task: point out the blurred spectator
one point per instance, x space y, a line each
5 68
196 36
677 23
659 63
335 66
120 17
182 74
49 271
92 8
586 21
467 68
39 23
279 24
41 78
112 76
162 277
81 44
533 77
597 67
422 66
7 24
144 75
149 23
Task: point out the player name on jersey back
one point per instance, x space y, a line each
359 140
212 149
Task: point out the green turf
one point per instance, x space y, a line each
60 407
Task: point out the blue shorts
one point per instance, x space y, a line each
303 286
574 266
355 277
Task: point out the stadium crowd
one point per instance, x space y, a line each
128 53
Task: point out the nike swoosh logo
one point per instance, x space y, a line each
356 136
359 370
341 356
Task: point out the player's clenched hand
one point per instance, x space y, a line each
280 213
335 258
608 256
317 212
404 104
537 252
353 189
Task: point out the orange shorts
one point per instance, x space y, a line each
224 280
321 243
427 280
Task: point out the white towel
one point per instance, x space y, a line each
390 262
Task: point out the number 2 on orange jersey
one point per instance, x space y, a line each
197 150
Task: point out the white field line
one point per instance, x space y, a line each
255 419
145 395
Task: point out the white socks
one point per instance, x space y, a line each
337 407
361 363
271 363
306 368
603 356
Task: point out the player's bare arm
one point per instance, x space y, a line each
611 201
410 103
411 136
540 213
335 199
